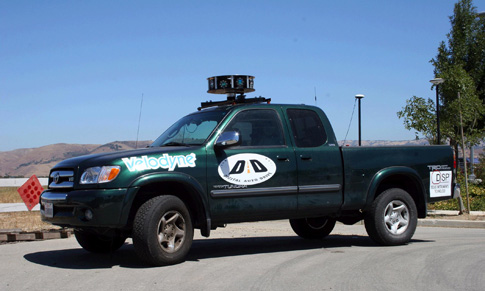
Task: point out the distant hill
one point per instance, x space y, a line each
372 143
39 161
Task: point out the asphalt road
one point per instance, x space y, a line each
259 256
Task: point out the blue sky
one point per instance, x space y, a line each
75 71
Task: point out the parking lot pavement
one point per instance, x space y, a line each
259 256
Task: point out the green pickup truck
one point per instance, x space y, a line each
244 160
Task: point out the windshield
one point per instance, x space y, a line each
192 129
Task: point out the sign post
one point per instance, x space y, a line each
30 192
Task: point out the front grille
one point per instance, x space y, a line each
61 179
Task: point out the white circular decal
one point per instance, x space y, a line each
247 169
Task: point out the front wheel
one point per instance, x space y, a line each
313 228
392 219
162 231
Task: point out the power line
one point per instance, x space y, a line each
350 123
139 120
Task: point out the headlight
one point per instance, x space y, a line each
100 174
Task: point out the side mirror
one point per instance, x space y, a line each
228 138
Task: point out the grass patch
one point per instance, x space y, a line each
477 203
25 220
10 195
475 192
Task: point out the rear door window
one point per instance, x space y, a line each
307 128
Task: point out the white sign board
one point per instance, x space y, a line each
440 183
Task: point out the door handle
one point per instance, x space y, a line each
305 158
282 158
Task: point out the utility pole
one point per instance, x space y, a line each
437 82
464 156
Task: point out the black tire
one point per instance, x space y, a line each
98 244
162 231
313 228
392 219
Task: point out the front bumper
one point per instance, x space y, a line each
74 208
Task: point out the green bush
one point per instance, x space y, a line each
476 194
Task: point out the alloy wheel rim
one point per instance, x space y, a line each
171 231
396 217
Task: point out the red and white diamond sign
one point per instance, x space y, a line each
30 192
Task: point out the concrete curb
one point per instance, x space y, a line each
454 213
451 223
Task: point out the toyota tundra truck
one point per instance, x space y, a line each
241 160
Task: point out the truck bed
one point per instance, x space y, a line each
363 165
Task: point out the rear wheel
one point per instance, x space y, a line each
392 219
162 231
98 244
313 228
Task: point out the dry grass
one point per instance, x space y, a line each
9 195
25 220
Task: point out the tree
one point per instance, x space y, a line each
461 63
419 114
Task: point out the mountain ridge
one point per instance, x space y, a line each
26 162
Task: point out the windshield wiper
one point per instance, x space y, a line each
174 143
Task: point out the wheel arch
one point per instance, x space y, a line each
399 177
181 185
